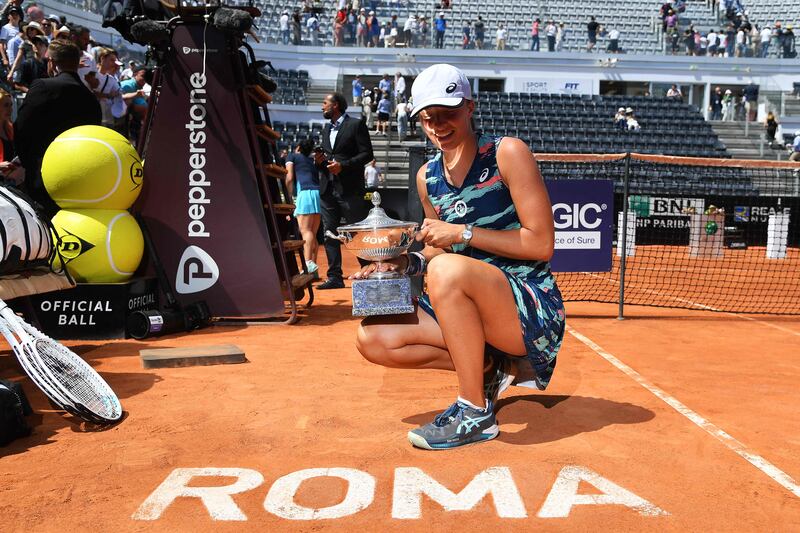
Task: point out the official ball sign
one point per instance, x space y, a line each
583 218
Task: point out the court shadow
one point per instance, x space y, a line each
540 418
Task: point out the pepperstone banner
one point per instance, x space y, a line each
200 198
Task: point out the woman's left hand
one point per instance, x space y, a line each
439 234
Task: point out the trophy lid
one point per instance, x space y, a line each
376 219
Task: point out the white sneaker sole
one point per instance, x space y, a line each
417 440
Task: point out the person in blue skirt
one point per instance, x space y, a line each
302 173
492 311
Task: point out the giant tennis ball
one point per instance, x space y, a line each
99 245
92 167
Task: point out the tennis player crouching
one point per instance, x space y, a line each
493 312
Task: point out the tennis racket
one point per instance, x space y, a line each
64 377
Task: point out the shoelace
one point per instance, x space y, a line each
448 415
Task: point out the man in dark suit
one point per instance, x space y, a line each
347 148
52 106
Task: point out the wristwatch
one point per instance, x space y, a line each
466 235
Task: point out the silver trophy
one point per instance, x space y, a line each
378 238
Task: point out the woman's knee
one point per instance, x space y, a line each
446 275
373 344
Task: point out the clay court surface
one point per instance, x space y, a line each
306 400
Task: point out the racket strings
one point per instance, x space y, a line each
82 384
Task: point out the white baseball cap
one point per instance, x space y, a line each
440 84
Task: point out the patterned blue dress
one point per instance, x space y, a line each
485 201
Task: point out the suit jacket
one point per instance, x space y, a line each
353 149
52 106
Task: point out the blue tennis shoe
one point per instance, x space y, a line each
459 425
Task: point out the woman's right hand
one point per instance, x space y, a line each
398 264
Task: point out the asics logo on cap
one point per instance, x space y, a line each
450 88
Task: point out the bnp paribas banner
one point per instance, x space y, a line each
200 196
583 215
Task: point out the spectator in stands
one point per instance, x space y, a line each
741 42
87 71
561 35
535 34
341 183
127 72
366 108
771 127
108 91
750 101
671 23
424 29
480 33
48 26
501 37
789 50
401 112
766 38
34 13
312 26
399 87
384 114
385 85
795 148
52 106
358 90
412 119
441 27
374 29
632 123
373 177
466 35
713 42
730 41
716 104
33 68
613 41
664 12
362 28
338 27
389 35
8 167
728 106
302 171
134 96
620 120
352 26
409 29
674 93
296 26
9 6
8 32
550 32
22 49
283 26
591 34
688 41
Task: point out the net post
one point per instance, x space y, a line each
624 244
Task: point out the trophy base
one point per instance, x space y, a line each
390 296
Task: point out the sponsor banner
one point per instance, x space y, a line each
93 310
552 85
200 198
660 220
582 213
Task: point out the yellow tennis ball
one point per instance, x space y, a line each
99 245
92 167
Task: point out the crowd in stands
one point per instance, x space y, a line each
736 36
386 100
355 23
41 91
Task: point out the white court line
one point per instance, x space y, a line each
778 475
